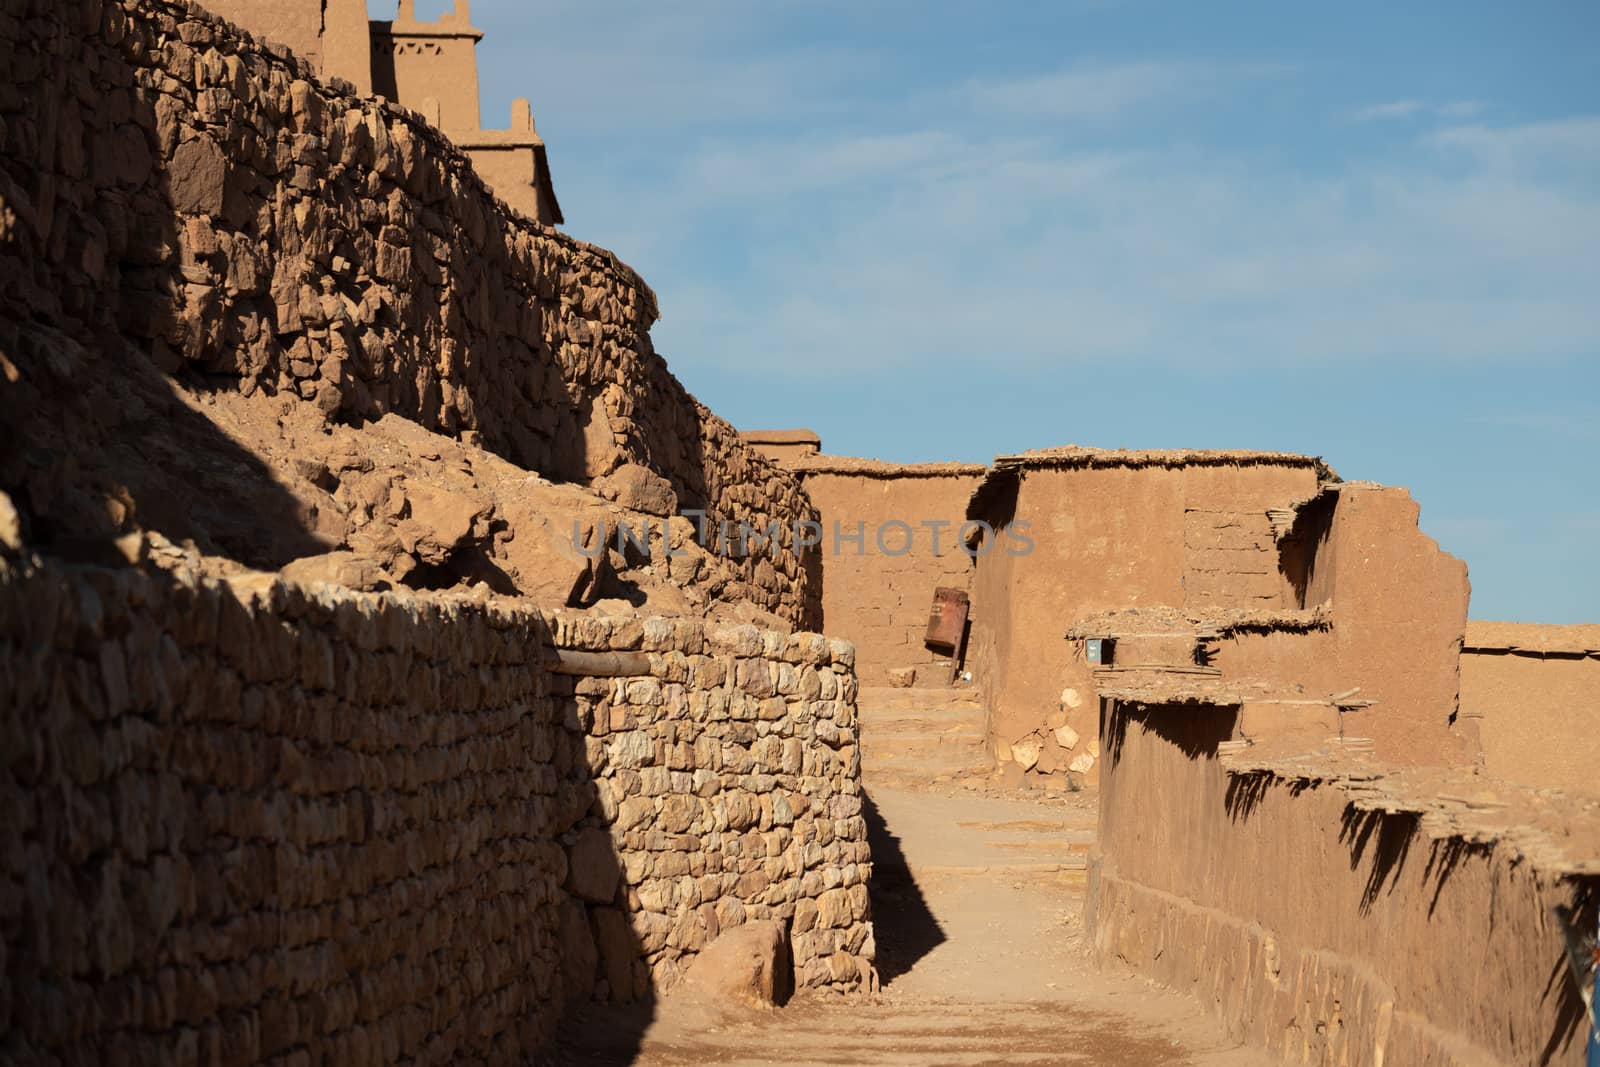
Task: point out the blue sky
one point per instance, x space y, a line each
946 231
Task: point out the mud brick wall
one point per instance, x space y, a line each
248 821
1531 695
1324 931
728 783
174 190
1230 559
876 592
1104 537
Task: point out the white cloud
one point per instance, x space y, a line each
1573 142
1394 110
800 200
958 249
1105 91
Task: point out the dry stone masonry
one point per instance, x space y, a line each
175 190
729 778
250 821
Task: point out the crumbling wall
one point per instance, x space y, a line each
1107 531
890 537
1327 927
1399 608
1531 695
248 819
176 192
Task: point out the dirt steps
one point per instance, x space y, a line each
921 735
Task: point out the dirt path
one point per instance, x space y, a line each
978 907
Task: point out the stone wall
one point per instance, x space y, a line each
729 779
1531 694
248 820
876 590
1338 913
176 192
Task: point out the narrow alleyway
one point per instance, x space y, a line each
981 948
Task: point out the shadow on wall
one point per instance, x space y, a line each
905 928
93 439
1385 841
1573 1014
1298 552
143 241
1387 838
1196 735
318 759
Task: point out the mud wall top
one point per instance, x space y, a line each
1532 694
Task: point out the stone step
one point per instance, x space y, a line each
882 698
921 743
938 711
914 777
908 725
917 871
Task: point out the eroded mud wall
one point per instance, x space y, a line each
246 819
179 195
1326 933
1106 538
1400 610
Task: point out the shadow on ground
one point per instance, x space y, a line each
903 925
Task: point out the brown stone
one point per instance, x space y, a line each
579 957
349 569
199 177
618 951
592 867
902 677
640 489
747 965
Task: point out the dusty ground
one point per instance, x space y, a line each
978 906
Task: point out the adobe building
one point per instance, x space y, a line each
783 446
890 537
429 67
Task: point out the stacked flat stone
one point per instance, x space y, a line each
729 782
248 821
176 190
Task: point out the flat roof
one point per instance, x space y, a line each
1077 456
1532 638
782 437
1007 471
877 468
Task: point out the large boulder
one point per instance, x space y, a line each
747 965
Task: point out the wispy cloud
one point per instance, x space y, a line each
941 246
1569 142
1104 91
793 194
1395 110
